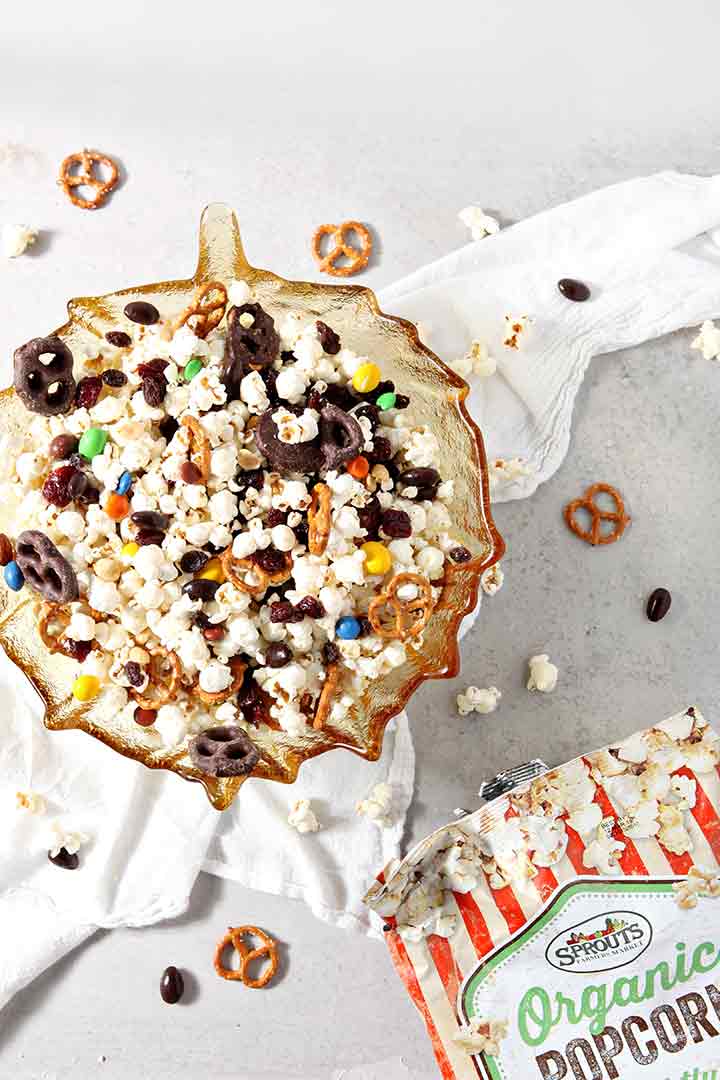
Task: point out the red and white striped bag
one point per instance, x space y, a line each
569 927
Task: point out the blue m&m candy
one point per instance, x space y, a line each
124 483
14 576
347 628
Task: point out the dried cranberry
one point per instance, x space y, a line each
77 485
88 391
278 654
146 537
153 388
396 524
310 606
370 516
190 473
167 427
330 653
192 561
77 650
56 489
134 673
113 377
118 338
382 450
270 560
145 717
275 517
460 555
328 338
281 611
401 401
62 447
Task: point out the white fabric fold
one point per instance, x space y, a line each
639 246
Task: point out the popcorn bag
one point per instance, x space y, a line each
570 928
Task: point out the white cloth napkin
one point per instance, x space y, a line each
639 247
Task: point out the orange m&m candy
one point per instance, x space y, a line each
358 467
117 506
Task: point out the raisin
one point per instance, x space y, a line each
301 533
202 620
401 401
275 517
201 589
369 412
145 537
152 367
310 606
88 391
396 524
134 673
56 489
370 516
281 611
118 338
330 653
113 377
249 478
270 560
382 450
76 650
328 338
167 427
460 555
153 388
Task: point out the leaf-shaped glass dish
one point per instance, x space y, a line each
437 399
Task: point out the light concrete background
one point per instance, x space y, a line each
398 115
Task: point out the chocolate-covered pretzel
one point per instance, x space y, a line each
47 389
224 751
44 568
340 439
248 347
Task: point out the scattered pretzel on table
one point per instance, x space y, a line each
235 937
594 535
238 668
358 257
199 446
409 617
232 566
85 161
332 678
205 311
319 519
163 683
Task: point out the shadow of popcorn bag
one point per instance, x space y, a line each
568 928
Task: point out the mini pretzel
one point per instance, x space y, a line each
231 566
238 667
163 684
236 937
319 519
58 616
418 610
358 256
199 446
86 177
332 678
593 535
205 311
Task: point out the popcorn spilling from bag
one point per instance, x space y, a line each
481 1035
698 883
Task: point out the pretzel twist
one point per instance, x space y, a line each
199 446
593 535
59 616
358 257
205 311
232 566
216 697
163 684
87 160
235 937
319 519
410 617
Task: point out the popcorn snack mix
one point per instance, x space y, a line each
225 524
569 929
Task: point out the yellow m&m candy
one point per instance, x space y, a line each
86 687
212 571
378 559
130 549
366 378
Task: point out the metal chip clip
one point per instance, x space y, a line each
507 781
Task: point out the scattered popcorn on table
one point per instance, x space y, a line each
515 327
543 675
60 838
492 579
708 341
477 361
378 805
30 801
479 223
480 700
481 1035
16 239
302 817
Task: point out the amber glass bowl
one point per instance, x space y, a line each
437 398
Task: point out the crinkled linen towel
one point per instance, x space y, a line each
642 248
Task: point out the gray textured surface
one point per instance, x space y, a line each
515 109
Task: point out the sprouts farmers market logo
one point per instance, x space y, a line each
600 943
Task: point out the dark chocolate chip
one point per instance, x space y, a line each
151 519
146 537
328 338
114 377
140 311
573 289
193 561
118 338
658 604
278 654
172 986
201 589
64 859
62 447
460 555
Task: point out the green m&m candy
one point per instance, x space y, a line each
192 368
92 442
386 400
